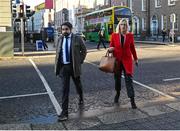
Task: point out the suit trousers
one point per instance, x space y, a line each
65 74
128 82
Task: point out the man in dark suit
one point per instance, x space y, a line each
70 54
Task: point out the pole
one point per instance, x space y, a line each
55 26
22 36
32 19
172 32
148 17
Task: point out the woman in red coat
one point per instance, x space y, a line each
122 46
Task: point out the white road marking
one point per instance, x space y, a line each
48 89
143 85
171 79
155 90
26 95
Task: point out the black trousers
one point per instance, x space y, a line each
163 38
65 74
128 82
101 40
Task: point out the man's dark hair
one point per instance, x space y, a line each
68 24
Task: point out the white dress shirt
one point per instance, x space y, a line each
64 49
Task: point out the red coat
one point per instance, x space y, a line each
124 54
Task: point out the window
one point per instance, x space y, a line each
154 25
158 3
163 22
143 24
143 5
176 22
136 26
171 2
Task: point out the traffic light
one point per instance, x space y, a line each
28 12
14 11
21 11
13 2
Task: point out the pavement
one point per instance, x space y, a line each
164 116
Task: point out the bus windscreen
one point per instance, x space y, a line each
121 13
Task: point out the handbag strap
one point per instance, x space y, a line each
107 54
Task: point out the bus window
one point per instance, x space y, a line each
110 29
108 13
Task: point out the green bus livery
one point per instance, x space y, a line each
106 19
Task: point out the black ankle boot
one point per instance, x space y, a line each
81 101
133 104
116 98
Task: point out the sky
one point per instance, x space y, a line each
33 2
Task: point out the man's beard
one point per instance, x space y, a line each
66 34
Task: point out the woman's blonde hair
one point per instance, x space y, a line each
123 20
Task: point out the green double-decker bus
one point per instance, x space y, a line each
106 19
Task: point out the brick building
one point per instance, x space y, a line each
151 16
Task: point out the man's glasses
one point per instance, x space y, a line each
65 28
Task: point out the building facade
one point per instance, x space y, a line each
73 11
150 17
41 18
6 28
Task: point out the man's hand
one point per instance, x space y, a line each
111 49
136 63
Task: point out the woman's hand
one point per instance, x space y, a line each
111 49
136 62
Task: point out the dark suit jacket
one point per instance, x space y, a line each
78 54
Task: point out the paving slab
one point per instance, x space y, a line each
117 117
157 110
15 127
81 123
55 126
175 106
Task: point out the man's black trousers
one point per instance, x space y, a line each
65 74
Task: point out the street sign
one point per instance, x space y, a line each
17 1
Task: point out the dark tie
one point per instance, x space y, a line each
67 51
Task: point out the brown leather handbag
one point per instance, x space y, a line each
107 63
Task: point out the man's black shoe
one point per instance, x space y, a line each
62 118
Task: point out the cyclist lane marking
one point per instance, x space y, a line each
48 89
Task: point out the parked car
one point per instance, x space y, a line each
82 35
